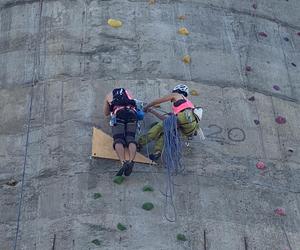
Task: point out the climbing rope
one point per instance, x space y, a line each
171 157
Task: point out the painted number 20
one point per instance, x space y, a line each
233 134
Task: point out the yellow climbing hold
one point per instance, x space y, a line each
183 31
186 59
182 17
114 23
194 92
151 1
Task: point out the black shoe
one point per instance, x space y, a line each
128 168
155 157
121 171
139 147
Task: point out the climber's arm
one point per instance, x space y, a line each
106 110
166 98
158 115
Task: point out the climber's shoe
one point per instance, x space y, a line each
128 168
121 170
155 156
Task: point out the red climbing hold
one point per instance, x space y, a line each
280 119
263 34
276 87
248 68
254 6
280 211
261 165
298 33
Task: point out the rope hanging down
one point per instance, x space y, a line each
171 157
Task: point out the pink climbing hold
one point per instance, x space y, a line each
276 87
248 68
263 34
280 119
280 211
261 165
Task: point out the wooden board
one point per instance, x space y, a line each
103 148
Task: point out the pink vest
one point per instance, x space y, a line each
183 106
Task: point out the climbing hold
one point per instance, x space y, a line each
280 211
286 39
194 92
181 237
151 1
260 165
298 33
183 31
96 242
256 122
119 179
248 68
148 188
114 23
182 18
263 34
186 59
148 206
12 183
252 99
121 227
291 150
294 64
97 196
276 87
254 6
280 119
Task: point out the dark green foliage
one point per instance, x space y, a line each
148 206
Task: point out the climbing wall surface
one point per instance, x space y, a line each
240 188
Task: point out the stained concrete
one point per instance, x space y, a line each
58 60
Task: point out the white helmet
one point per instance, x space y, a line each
182 88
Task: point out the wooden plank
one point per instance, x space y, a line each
102 148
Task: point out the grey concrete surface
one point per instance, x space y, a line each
59 58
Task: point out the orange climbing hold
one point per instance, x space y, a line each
183 31
194 92
186 59
114 23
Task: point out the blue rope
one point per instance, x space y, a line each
171 157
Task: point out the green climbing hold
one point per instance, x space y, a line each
147 206
121 227
181 237
97 195
119 179
148 188
96 242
